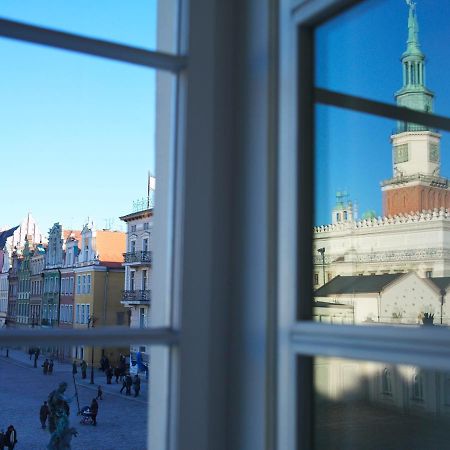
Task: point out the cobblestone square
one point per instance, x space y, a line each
122 421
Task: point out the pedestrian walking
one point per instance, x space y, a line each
45 366
43 414
124 385
136 385
11 437
109 375
36 356
74 367
128 383
50 367
2 439
94 411
117 374
99 393
83 366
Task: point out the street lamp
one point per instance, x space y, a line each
322 252
90 324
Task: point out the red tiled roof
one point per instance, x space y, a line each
110 246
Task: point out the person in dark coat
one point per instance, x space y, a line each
74 368
83 366
99 393
128 383
43 414
117 374
109 375
94 411
45 366
124 385
50 367
11 437
2 439
136 385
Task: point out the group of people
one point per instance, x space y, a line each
8 438
129 382
118 372
47 367
83 367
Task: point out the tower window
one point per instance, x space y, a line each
401 153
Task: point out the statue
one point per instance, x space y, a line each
58 422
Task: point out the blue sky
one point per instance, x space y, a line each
359 53
76 132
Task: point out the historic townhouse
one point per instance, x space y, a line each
24 286
4 272
138 269
71 243
13 288
37 265
99 278
52 277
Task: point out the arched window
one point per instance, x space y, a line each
417 387
386 382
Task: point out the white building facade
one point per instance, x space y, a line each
138 272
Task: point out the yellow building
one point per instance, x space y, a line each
99 279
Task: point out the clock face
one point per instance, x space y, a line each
434 153
401 153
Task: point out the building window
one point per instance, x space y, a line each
145 245
428 273
386 382
146 224
78 284
417 387
78 316
133 246
83 313
316 279
329 276
70 313
88 283
88 312
83 284
133 228
71 286
144 280
132 279
141 317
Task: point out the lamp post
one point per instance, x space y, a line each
91 323
322 252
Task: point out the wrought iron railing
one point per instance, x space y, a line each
136 296
138 257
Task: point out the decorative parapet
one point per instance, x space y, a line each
389 256
401 219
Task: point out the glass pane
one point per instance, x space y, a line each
83 130
117 380
387 51
361 404
382 212
132 23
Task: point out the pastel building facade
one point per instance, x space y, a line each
99 278
137 287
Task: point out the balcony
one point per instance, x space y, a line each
136 297
142 257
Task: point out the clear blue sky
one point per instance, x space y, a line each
359 54
76 132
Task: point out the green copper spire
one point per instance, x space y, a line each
414 93
413 31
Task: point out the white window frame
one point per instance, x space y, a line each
216 160
300 339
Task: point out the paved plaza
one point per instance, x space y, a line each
121 420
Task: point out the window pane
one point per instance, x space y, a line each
93 123
382 209
371 405
118 411
133 23
387 51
